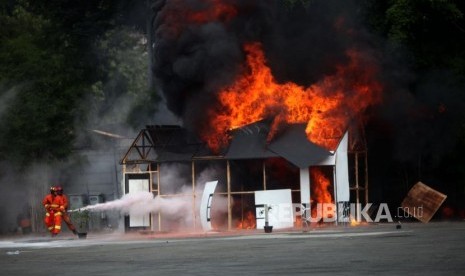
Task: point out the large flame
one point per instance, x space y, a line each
320 189
326 106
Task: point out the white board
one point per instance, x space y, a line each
342 171
138 185
205 205
280 212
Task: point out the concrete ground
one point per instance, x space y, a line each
436 248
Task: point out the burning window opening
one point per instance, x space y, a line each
322 190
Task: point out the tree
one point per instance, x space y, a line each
123 96
433 31
38 122
424 101
64 62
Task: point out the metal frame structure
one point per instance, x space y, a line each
143 151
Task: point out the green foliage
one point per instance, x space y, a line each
433 30
21 48
38 121
61 64
123 96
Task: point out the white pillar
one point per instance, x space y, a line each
341 178
305 191
341 181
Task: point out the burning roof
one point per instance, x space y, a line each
227 68
176 144
294 146
250 142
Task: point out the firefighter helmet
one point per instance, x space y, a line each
53 190
59 190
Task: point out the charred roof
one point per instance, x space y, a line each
172 143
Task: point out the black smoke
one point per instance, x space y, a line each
193 61
414 135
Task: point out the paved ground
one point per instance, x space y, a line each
416 249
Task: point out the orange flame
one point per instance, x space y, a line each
320 188
248 222
326 106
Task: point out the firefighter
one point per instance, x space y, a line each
54 207
47 202
65 215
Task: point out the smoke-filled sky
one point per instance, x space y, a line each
199 49
199 45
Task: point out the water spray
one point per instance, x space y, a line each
141 203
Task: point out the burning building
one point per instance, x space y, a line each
268 93
250 163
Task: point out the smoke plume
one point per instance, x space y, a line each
200 46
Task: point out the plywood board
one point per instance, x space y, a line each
422 202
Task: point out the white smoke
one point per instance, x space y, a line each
181 204
142 203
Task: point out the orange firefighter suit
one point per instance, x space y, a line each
54 207
66 217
